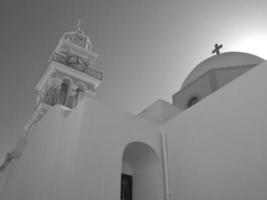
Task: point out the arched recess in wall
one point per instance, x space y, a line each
81 88
64 91
141 163
192 100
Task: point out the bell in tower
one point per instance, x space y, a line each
70 76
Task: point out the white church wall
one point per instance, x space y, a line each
104 135
225 75
200 88
126 168
217 148
6 174
43 170
78 155
160 112
33 175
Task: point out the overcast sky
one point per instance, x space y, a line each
146 47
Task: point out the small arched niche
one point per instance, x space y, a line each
79 93
64 91
81 88
192 101
141 173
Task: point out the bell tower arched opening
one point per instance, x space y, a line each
64 92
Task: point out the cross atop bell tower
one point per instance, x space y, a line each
70 76
78 25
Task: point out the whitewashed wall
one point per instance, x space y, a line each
226 75
104 135
78 155
217 148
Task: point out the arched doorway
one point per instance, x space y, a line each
141 176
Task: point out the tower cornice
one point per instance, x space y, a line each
57 67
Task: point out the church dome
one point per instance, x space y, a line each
228 59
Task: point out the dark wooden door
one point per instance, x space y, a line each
126 187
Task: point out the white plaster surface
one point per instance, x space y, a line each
226 75
126 168
78 155
217 148
160 112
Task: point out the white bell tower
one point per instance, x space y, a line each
71 75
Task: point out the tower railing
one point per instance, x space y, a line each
87 70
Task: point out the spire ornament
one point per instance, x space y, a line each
78 25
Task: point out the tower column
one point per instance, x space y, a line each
79 95
72 101
57 84
51 95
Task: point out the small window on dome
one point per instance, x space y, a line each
193 100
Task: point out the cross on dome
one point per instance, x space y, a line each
217 49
